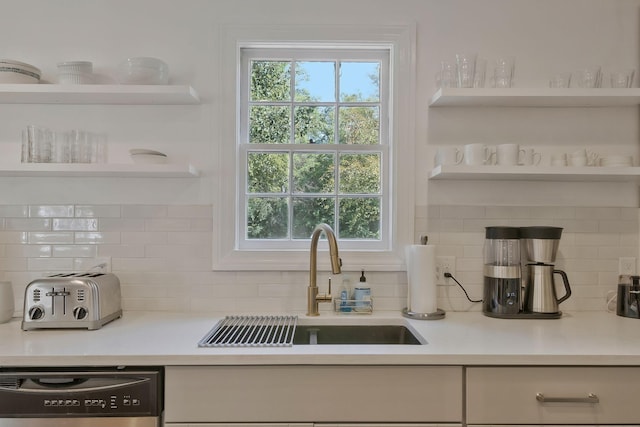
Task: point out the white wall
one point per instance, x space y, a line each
544 35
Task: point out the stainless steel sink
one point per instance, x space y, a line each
356 334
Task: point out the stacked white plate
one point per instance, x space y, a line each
18 72
616 160
142 155
75 72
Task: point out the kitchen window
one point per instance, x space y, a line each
313 147
322 132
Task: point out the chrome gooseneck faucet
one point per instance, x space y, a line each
312 291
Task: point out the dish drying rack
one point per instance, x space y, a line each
251 331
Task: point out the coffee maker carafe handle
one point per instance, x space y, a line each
567 288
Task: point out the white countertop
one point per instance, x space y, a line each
157 338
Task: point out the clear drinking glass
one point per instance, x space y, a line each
466 65
503 72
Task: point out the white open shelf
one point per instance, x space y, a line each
536 173
97 94
535 97
98 170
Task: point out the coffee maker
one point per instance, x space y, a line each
539 250
502 272
517 259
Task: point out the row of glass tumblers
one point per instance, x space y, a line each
43 145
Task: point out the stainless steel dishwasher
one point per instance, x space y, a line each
74 397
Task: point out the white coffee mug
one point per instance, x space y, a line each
578 161
590 158
559 159
6 302
510 155
448 156
476 154
532 157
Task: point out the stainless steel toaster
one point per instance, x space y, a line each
72 300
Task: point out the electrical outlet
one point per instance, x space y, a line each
627 265
445 264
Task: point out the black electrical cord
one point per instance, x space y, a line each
461 287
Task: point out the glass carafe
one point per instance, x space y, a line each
502 272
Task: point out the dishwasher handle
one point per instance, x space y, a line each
591 398
70 385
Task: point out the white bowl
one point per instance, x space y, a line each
75 78
85 67
144 158
18 72
143 71
143 155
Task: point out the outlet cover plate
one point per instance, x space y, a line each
445 264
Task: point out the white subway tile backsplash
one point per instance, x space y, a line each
98 211
75 224
50 264
27 224
50 211
168 224
190 211
597 239
617 226
162 254
14 237
74 251
97 237
629 213
144 211
27 251
10 266
144 237
187 238
122 251
177 251
201 224
599 213
121 224
14 211
462 212
50 237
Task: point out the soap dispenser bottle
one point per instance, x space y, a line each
362 294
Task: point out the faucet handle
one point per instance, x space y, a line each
325 297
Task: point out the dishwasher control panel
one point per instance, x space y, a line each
76 392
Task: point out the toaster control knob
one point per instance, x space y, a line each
80 313
36 313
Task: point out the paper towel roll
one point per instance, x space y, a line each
422 293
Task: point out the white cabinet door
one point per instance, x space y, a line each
387 425
300 394
238 425
552 395
307 425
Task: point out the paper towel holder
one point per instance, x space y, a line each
436 315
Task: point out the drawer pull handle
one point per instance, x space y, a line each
591 398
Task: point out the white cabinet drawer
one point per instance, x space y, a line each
553 395
297 394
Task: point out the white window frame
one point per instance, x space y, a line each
400 41
317 52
